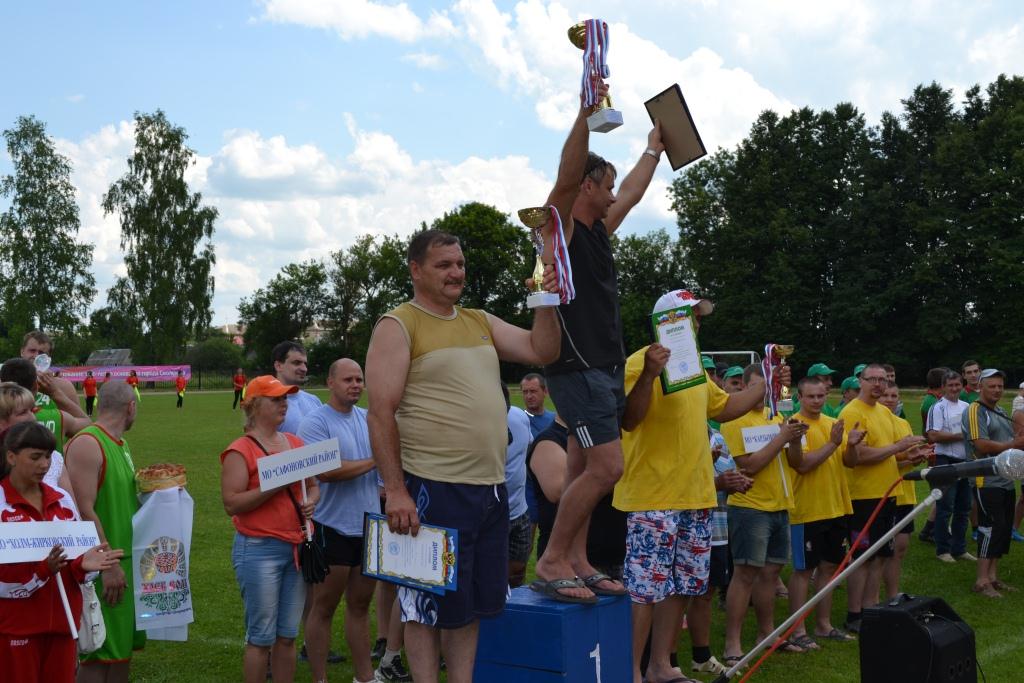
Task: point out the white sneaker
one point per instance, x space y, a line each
712 666
945 557
967 556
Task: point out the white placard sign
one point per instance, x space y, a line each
299 463
32 541
756 438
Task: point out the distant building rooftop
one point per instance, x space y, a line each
110 357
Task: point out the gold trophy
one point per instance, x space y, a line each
604 118
535 218
785 401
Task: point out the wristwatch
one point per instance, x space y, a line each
651 152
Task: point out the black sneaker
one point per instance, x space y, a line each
393 671
852 627
380 646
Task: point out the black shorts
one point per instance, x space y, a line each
591 402
995 521
721 566
901 512
817 541
340 550
480 513
885 521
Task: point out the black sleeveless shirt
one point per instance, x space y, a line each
591 324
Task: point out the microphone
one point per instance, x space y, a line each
1008 464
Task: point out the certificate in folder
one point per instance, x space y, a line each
674 330
678 132
427 561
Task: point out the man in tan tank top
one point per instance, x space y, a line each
439 434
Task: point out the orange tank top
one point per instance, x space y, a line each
276 517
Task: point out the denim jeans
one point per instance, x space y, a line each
955 503
272 588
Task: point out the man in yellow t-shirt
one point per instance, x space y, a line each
906 496
818 522
872 469
667 490
759 517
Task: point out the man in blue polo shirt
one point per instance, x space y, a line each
346 494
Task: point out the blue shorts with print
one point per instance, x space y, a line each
668 552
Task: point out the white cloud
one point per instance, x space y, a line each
424 60
518 52
76 98
999 51
320 210
352 19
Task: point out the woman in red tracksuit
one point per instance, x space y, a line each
35 639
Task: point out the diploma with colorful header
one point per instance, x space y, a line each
674 330
426 561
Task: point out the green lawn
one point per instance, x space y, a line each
195 436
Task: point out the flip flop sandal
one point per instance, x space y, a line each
836 634
550 589
790 648
732 660
804 641
594 579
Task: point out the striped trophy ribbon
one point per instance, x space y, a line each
563 268
595 60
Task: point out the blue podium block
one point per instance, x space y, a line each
539 640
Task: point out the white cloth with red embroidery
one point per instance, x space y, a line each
161 541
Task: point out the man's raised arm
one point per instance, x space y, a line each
570 173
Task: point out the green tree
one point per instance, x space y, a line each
44 270
649 265
282 310
166 234
216 353
499 257
367 279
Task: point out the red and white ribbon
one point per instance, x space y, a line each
595 60
768 366
563 268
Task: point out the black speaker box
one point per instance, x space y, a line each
916 639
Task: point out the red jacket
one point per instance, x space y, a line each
29 599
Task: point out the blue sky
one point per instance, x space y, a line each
315 121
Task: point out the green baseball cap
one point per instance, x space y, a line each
734 371
707 362
819 369
859 368
850 383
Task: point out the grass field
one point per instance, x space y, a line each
195 436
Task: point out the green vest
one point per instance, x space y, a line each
116 499
49 414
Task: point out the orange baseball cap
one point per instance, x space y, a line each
269 386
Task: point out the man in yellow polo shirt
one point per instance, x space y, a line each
906 496
668 490
872 471
818 524
759 518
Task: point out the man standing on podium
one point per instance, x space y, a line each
439 433
586 382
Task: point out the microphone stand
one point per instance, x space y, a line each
930 499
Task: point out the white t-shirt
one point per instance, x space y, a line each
1018 404
945 416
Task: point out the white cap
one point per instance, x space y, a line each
682 297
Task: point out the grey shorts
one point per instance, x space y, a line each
757 537
591 402
520 539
